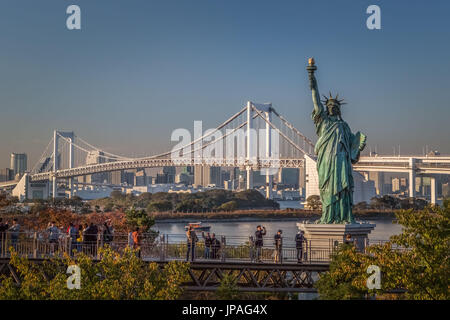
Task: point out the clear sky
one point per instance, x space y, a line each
139 69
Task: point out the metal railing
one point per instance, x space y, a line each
166 247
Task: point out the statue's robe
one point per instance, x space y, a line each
336 149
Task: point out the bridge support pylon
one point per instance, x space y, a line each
433 190
412 177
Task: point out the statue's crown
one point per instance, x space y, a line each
329 100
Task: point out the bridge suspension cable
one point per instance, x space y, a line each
280 132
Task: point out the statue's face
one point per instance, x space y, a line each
333 108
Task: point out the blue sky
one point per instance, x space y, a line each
139 69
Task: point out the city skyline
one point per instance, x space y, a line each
134 74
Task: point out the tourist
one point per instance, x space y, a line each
53 236
348 239
299 240
207 239
137 242
215 246
90 238
130 239
191 241
107 233
3 228
79 238
278 242
260 232
73 232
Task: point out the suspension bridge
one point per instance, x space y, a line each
257 138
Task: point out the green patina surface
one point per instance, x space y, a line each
336 149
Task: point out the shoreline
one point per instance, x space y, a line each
253 217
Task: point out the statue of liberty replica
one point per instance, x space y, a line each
337 149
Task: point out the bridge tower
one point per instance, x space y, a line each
70 137
266 108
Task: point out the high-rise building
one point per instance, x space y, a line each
395 184
129 177
18 163
140 178
184 178
117 177
6 174
289 177
96 157
207 175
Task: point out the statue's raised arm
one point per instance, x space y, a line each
318 107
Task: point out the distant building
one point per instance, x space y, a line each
395 184
170 173
140 178
184 178
6 175
259 179
118 177
289 177
311 177
446 190
364 189
207 175
129 177
18 163
96 157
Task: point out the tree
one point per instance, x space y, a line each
229 206
313 202
417 260
159 206
139 218
116 276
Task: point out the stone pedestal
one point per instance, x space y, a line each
322 238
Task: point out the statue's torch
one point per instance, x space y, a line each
311 68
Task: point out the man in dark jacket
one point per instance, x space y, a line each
260 232
215 246
90 238
107 233
299 240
